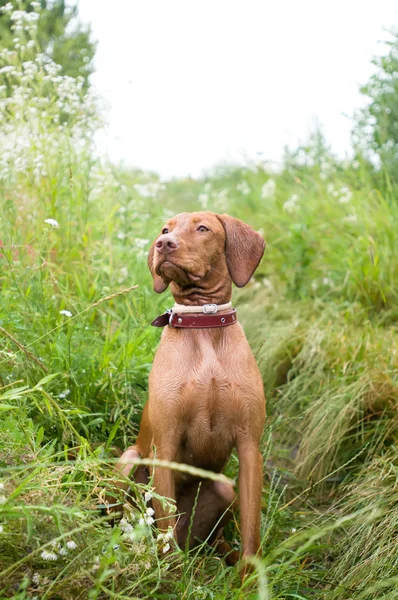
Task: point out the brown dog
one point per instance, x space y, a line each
205 390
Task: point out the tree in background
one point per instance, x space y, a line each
377 130
59 35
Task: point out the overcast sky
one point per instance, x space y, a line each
191 83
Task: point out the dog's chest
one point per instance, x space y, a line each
209 413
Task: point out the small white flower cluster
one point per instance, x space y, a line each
36 578
45 112
67 313
343 194
123 274
163 540
220 198
325 281
149 190
148 497
22 20
147 519
350 218
96 564
203 200
141 242
243 188
268 190
58 550
292 204
3 498
52 222
346 195
327 169
127 529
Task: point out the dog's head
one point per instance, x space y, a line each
203 250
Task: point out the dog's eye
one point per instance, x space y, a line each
165 230
202 228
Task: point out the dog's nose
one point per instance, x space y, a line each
166 243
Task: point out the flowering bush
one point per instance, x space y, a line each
43 114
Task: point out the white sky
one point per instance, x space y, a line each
191 83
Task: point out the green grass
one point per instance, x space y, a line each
320 314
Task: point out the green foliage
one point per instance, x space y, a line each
76 349
59 35
378 126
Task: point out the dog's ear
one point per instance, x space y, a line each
244 249
159 285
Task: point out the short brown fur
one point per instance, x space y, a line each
205 390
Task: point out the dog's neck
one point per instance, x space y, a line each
214 288
196 295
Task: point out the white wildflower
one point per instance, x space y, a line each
125 526
150 512
222 199
243 188
121 235
71 545
52 222
141 242
49 555
148 190
7 69
36 578
166 548
67 313
267 283
350 219
149 521
291 204
203 200
123 274
327 281
147 497
268 189
294 530
7 7
64 394
169 535
62 551
346 195
141 521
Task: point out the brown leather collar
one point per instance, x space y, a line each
195 321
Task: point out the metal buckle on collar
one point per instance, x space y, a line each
210 309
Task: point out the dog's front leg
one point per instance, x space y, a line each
164 483
250 490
